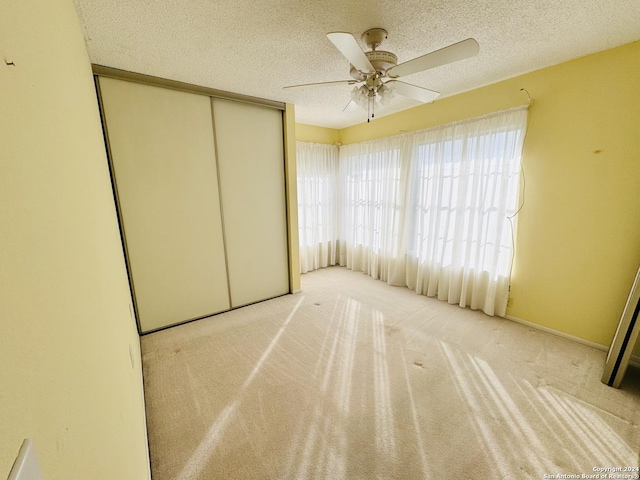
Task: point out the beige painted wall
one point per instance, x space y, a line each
66 376
578 239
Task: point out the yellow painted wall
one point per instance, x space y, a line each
313 134
466 105
578 239
66 376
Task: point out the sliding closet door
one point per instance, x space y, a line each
251 160
162 156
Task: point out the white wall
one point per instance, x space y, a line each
66 377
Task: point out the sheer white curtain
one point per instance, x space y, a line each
430 209
317 167
373 186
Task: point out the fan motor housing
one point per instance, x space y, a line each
380 60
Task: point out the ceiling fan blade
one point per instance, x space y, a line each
348 46
458 51
337 82
351 107
413 91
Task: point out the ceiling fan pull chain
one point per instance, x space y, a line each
371 105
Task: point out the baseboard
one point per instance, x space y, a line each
635 359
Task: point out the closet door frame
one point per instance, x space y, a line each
290 183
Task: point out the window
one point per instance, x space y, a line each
430 210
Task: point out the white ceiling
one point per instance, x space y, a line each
257 47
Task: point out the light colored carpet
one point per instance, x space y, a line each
354 379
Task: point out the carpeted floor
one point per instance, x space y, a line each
354 379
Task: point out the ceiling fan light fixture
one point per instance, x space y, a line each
386 93
360 95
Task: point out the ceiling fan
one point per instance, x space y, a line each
376 73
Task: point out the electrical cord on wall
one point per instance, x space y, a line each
524 187
511 217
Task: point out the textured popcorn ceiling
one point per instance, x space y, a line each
257 47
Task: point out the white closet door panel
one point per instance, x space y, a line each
163 156
251 160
